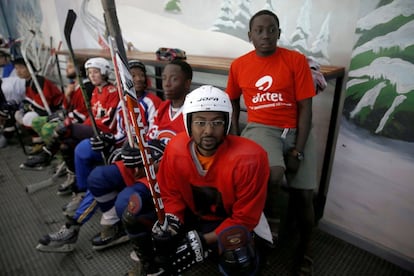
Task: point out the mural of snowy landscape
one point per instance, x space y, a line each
371 193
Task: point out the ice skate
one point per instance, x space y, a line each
63 240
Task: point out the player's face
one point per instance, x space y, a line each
208 131
264 34
174 82
70 70
138 77
22 71
94 74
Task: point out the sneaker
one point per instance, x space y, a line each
40 160
69 186
70 208
110 236
63 240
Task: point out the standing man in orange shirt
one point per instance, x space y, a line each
277 87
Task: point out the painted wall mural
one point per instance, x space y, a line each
371 193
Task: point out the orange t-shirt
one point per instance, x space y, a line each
271 86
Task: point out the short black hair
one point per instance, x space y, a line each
263 12
185 67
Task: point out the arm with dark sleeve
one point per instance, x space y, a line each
250 183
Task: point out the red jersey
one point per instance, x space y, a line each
163 127
53 95
104 105
76 106
233 189
271 91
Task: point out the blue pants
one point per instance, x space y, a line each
105 182
85 160
86 209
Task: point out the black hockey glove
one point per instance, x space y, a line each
102 142
157 149
166 241
57 116
190 250
131 156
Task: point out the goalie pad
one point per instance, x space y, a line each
237 255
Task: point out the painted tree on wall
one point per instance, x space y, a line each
231 20
173 6
380 89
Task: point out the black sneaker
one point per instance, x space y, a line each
41 160
110 235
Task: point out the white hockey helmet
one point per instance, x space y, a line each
207 98
100 63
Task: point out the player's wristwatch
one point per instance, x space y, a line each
298 154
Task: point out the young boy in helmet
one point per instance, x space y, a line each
213 187
104 102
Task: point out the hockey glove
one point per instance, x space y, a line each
131 157
190 251
157 149
57 116
102 142
63 129
166 241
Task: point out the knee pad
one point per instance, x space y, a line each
237 254
134 220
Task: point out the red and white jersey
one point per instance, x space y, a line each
53 95
163 127
233 190
76 106
104 103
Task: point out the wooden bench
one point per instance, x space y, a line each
221 66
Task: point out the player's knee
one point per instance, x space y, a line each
237 254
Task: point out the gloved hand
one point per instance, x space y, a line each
57 116
190 250
166 241
157 149
131 156
102 142
63 129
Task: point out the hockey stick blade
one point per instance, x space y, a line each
31 188
70 22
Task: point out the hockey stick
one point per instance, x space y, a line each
32 73
135 115
31 188
70 22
